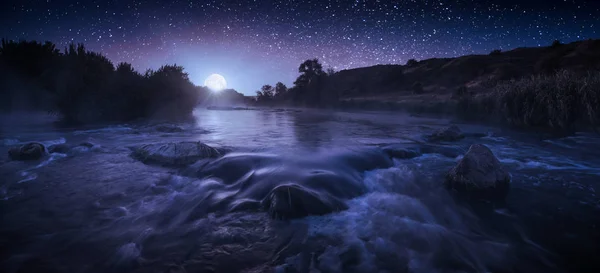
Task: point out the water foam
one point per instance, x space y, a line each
404 223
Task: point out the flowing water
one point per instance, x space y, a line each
97 209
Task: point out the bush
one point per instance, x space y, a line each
496 52
412 62
565 101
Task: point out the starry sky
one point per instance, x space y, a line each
252 43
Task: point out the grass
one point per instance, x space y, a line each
564 101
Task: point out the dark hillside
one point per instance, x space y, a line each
476 72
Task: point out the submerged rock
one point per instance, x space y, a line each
452 133
294 201
479 174
181 153
29 151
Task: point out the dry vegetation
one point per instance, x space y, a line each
564 101
555 87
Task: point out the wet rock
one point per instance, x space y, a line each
168 128
29 151
65 148
86 144
294 201
62 148
452 133
479 174
181 153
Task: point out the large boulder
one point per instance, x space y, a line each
479 174
180 153
290 201
452 133
29 151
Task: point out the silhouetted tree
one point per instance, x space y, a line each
268 91
84 86
308 86
265 95
309 70
172 93
280 90
330 71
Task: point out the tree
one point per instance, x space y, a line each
330 71
280 90
309 70
267 91
84 86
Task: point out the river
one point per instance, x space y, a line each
100 210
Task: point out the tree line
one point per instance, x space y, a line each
311 88
84 86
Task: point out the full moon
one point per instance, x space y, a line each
215 82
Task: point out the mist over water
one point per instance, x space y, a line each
97 209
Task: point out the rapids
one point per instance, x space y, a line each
98 209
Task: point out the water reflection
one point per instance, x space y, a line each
312 130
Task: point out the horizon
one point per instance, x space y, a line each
252 44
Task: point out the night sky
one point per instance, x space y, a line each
252 43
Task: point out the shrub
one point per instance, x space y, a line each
496 52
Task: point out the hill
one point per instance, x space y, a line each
439 78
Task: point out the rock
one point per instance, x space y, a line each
452 133
86 144
29 151
168 128
62 148
479 174
181 153
294 201
65 148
